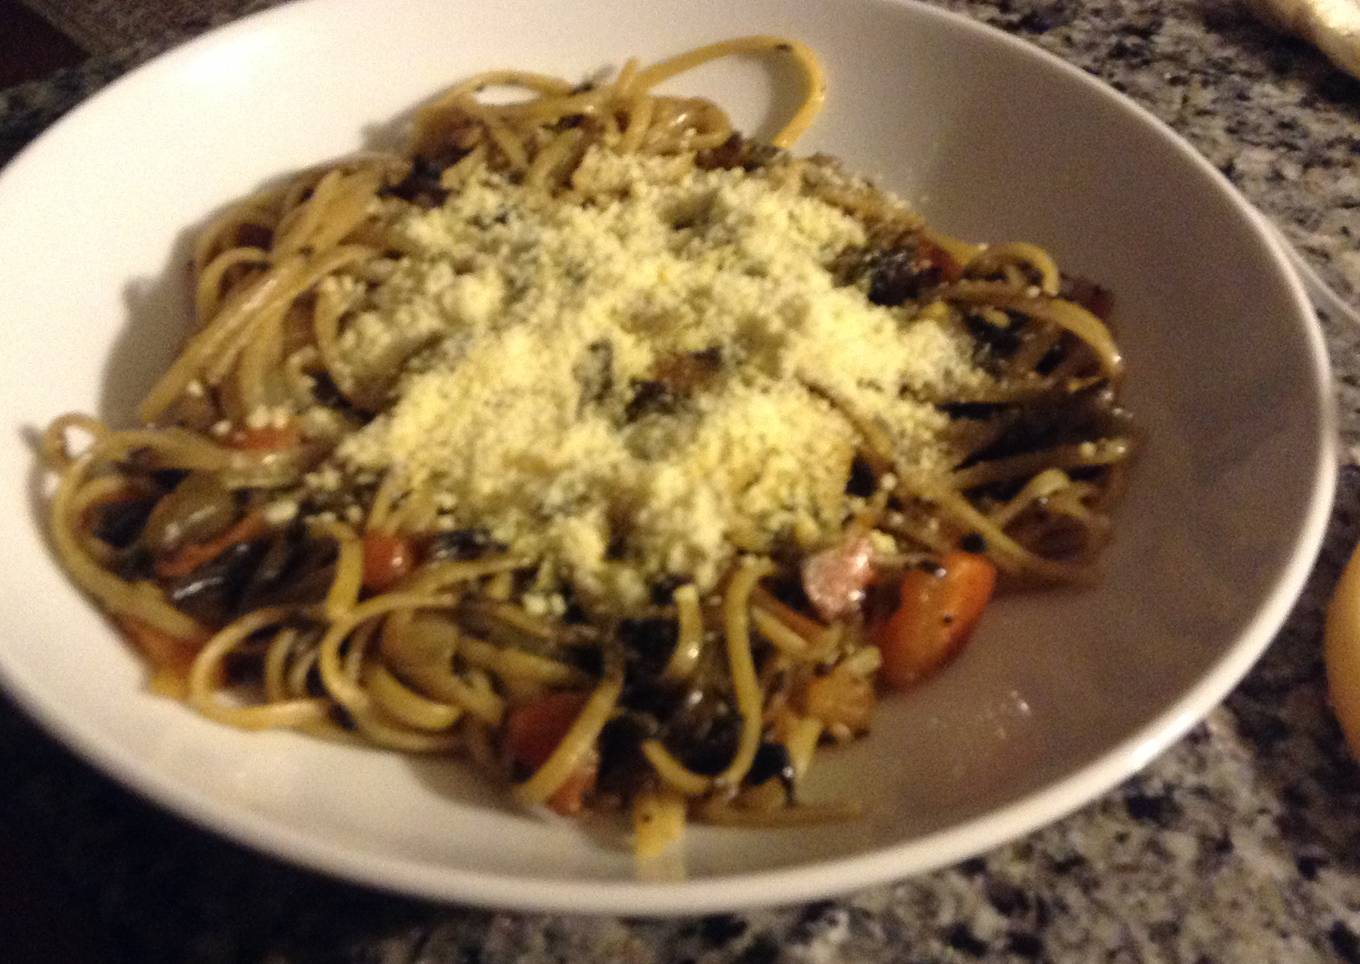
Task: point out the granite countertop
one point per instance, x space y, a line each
1240 843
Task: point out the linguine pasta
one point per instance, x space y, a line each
288 537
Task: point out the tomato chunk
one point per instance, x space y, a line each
387 558
170 657
935 615
1095 298
534 730
950 270
160 648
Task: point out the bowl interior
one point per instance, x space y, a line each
1060 694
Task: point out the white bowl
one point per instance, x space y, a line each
1060 696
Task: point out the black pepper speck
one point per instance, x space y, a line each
1344 942
962 939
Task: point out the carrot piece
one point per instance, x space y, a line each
190 557
266 438
936 614
387 558
533 732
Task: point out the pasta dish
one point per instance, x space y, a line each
628 457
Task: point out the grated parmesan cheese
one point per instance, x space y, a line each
512 339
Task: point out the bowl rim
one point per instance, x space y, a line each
785 885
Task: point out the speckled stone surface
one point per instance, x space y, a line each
108 26
1240 844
